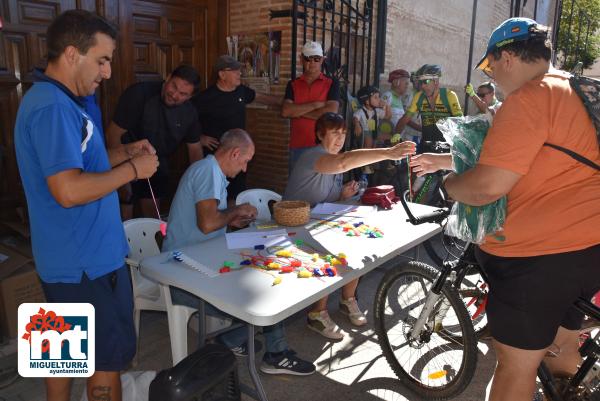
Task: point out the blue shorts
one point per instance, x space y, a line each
112 298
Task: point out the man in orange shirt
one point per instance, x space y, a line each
547 254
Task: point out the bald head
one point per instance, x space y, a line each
235 138
235 150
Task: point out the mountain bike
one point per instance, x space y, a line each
428 339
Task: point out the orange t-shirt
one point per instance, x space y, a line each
555 206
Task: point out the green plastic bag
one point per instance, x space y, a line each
466 135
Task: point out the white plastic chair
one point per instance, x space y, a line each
259 198
147 293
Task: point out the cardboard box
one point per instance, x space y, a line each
19 283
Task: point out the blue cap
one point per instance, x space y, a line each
511 30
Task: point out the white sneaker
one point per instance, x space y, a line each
322 324
349 307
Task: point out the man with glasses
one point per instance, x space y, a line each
485 99
307 98
222 107
160 112
432 103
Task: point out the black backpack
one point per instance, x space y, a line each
588 90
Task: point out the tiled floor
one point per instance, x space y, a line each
350 370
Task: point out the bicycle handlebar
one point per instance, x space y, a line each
437 216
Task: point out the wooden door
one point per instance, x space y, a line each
160 35
155 36
22 47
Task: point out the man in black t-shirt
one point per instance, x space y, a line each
222 107
162 113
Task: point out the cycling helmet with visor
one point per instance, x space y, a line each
511 30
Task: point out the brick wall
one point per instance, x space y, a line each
270 132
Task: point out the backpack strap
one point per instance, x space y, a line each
445 101
574 155
420 100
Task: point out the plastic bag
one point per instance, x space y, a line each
466 135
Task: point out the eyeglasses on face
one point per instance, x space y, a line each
482 94
315 59
425 81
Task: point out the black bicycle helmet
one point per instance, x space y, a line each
365 93
429 71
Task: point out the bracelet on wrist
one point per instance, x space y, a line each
134 169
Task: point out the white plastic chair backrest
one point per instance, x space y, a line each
141 237
259 198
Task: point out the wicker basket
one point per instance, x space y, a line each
291 213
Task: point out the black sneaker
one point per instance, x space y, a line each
286 362
242 350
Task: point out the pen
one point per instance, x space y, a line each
278 235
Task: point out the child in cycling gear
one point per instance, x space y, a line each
367 119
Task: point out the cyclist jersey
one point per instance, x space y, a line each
446 105
395 103
369 123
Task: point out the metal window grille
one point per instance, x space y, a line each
345 29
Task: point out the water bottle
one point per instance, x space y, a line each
363 183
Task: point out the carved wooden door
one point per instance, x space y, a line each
155 36
160 35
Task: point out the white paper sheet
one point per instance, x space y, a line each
237 240
337 209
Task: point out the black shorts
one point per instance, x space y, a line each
530 297
112 299
160 187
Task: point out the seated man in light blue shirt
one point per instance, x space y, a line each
199 212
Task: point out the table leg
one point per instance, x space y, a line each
201 323
252 365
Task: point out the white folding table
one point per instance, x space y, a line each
249 294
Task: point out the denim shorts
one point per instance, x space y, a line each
112 298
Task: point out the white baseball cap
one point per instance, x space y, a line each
311 48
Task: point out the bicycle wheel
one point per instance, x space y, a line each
441 363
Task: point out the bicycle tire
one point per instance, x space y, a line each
426 378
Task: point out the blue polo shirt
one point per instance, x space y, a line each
203 180
53 133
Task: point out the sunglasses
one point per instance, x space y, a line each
425 81
482 94
315 59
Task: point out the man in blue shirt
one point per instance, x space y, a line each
199 212
70 181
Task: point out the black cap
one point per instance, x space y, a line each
227 62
